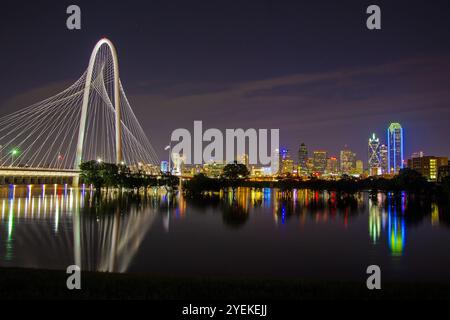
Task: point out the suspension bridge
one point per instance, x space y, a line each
90 120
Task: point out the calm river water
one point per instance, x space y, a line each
301 234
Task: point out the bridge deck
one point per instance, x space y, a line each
34 172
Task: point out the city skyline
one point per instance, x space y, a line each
204 151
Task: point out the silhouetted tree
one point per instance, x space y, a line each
201 183
102 174
410 180
235 170
234 173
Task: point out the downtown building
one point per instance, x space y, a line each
377 159
302 168
347 161
332 166
374 156
395 148
384 158
320 162
286 162
428 166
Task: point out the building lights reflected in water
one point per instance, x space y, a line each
54 226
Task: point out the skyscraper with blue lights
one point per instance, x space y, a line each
395 147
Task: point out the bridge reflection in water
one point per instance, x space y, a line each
96 232
53 226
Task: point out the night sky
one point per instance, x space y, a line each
310 68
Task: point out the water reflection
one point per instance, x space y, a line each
62 226
53 226
388 214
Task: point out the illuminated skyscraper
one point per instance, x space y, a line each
287 164
302 159
347 161
374 161
395 147
384 158
320 161
332 165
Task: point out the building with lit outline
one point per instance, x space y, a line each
383 158
374 159
395 147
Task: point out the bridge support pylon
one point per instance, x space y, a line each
87 88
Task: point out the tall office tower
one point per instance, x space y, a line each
395 147
384 158
332 165
287 164
320 161
374 161
347 161
302 160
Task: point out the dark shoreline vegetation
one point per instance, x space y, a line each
18 283
110 175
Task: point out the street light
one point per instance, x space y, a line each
14 152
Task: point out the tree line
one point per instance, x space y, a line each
111 175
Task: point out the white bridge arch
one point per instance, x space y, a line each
87 89
91 119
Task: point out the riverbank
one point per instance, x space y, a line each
17 283
407 181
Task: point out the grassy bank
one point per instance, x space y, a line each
45 284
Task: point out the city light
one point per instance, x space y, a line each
14 152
